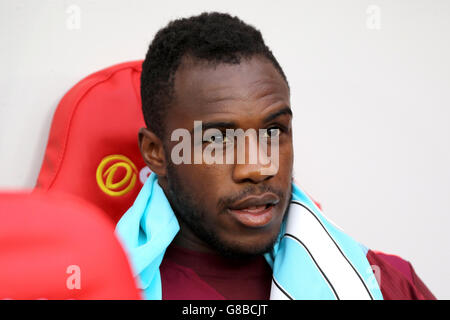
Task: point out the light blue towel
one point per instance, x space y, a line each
312 259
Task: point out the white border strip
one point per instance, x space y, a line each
345 280
277 292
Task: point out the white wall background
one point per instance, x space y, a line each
371 105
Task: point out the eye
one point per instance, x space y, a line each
217 138
272 132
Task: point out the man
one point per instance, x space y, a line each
202 228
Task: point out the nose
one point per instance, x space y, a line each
254 168
249 173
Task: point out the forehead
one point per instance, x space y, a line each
203 90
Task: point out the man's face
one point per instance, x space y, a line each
232 208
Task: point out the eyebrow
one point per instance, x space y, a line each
284 111
219 125
232 125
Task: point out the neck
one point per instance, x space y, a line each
187 239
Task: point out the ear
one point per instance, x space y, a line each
152 151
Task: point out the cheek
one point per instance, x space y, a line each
286 158
203 182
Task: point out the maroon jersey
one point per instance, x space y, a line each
187 274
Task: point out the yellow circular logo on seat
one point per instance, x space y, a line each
107 172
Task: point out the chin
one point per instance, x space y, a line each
247 241
245 249
251 243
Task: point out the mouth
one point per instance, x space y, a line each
255 211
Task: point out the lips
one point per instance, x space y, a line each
255 211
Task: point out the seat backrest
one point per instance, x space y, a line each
92 150
56 246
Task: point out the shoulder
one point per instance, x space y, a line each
397 278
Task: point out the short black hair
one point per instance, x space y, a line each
213 37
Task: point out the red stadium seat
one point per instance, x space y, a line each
92 151
55 246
